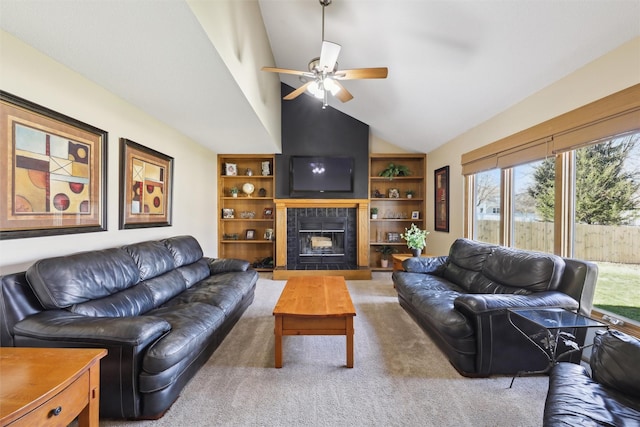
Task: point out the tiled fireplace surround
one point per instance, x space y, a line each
355 213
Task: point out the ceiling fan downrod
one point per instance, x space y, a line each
324 4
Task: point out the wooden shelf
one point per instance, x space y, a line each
250 250
395 206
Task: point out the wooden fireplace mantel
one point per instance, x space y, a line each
280 271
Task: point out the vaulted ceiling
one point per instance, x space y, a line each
453 64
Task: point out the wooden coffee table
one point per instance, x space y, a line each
49 386
314 305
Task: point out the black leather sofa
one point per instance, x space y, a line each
610 396
461 301
160 308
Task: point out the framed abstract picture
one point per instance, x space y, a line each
145 186
441 180
53 172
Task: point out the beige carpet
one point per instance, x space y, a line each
399 378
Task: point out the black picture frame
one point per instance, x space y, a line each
54 172
146 186
441 199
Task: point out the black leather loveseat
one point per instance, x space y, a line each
610 396
461 301
159 307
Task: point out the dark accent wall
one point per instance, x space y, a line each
309 130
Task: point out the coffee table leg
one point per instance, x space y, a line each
278 346
349 333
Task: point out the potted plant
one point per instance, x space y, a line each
385 250
395 170
234 191
374 213
410 193
416 239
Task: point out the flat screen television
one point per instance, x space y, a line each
316 174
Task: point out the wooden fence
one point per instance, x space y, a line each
610 243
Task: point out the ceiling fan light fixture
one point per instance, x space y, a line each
315 89
331 86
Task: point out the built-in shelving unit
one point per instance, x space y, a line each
246 225
396 210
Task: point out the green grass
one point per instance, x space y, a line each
618 289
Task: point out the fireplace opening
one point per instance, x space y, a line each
321 239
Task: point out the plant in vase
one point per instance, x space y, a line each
385 250
410 193
234 191
374 213
416 239
395 170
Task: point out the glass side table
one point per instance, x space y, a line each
553 326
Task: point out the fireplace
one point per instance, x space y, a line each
321 238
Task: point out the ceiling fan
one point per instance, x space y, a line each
324 74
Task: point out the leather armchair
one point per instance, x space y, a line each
609 396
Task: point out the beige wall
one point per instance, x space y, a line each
237 31
608 74
27 73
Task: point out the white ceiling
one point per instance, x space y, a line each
453 64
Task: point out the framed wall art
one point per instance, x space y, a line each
53 172
146 181
441 182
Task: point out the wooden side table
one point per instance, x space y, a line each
398 258
49 386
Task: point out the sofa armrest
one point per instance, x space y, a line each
61 325
477 304
228 265
428 265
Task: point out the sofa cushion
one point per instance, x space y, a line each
164 287
184 249
615 360
191 328
130 302
222 290
63 281
437 306
408 283
465 262
515 271
195 272
152 258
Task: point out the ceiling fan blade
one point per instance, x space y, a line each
329 56
343 94
296 93
285 71
362 73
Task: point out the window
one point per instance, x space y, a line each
607 220
486 193
533 202
569 186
